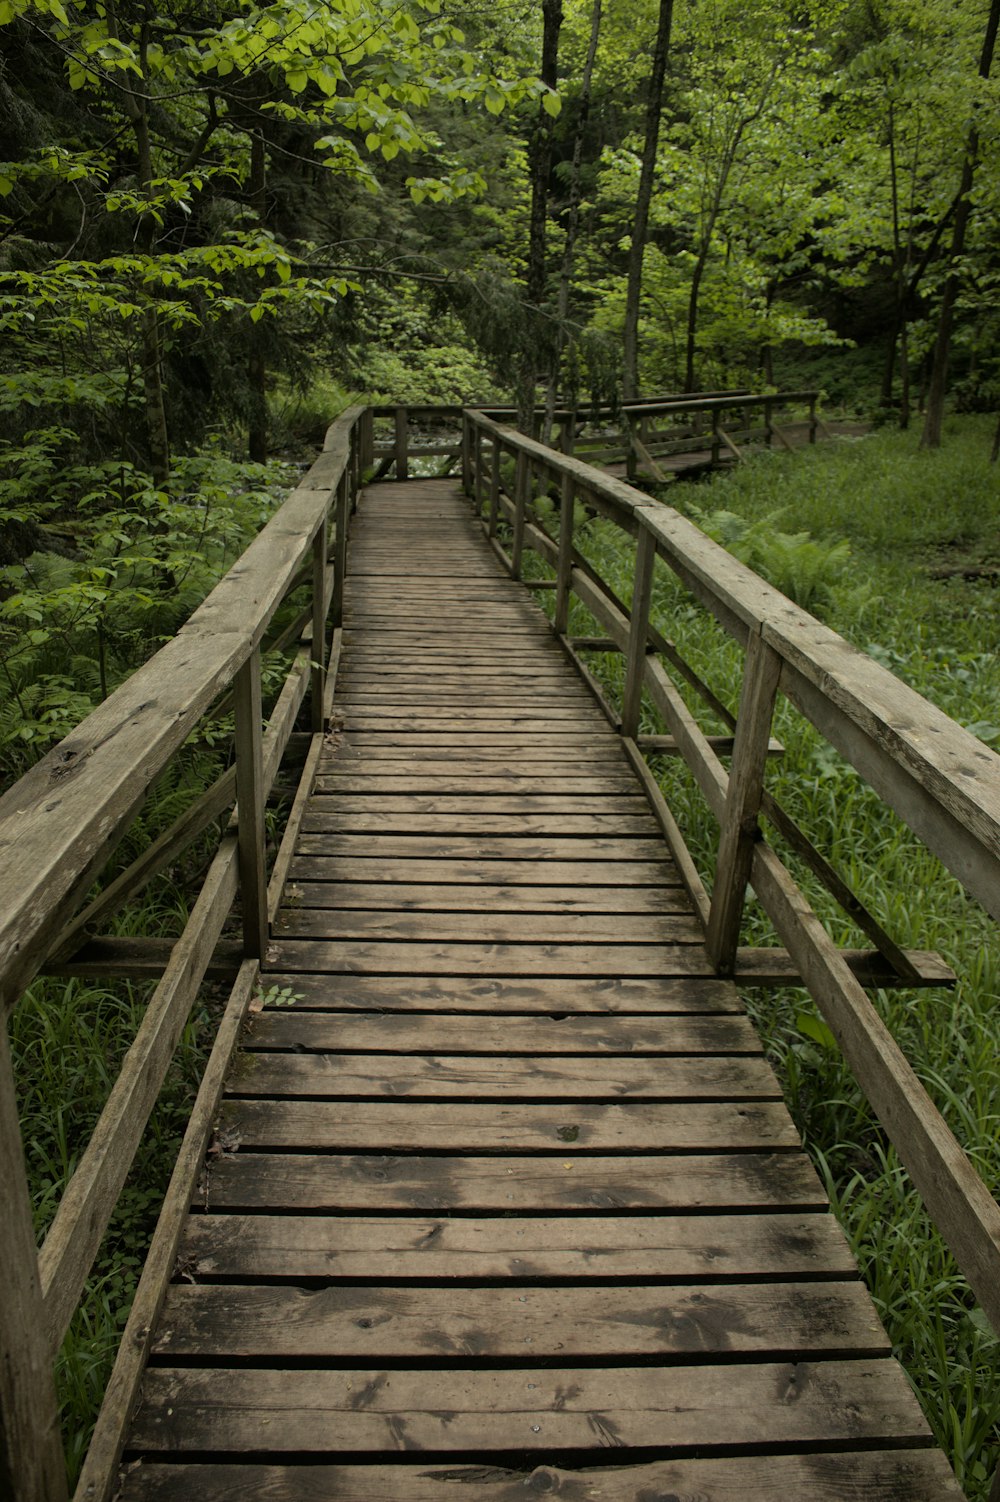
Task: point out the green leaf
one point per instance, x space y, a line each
817 1030
551 104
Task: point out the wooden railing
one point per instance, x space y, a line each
942 781
58 826
717 423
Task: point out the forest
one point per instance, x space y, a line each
221 224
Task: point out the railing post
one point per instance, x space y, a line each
521 482
768 422
716 439
642 593
631 459
368 431
739 830
494 488
402 436
250 803
32 1468
564 564
317 682
340 551
812 419
477 466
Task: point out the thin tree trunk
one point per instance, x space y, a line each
573 223
644 197
934 419
540 169
257 436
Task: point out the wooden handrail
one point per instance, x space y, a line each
941 780
64 818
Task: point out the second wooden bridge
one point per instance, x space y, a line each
502 1199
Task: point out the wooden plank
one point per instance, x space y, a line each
487 959
475 994
286 1027
471 871
347 1183
325 815
517 928
446 1076
483 803
590 848
439 777
876 1475
574 1128
780 1321
808 1403
646 1246
324 890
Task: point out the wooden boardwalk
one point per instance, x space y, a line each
506 1203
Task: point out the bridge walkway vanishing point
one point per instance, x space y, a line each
505 1202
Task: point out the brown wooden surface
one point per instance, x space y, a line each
506 1182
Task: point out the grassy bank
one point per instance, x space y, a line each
894 549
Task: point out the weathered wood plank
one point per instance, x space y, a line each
486 959
490 1077
509 1034
516 928
344 1182
325 815
646 1246
781 1321
808 1403
898 1475
592 848
477 994
316 885
540 875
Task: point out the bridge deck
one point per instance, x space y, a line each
506 1203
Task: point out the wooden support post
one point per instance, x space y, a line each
813 422
716 437
631 457
564 563
31 1457
402 435
368 447
317 681
521 484
642 593
250 801
768 423
494 489
477 467
746 785
340 553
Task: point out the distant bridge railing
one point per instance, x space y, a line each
706 428
940 780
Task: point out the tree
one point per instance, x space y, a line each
644 194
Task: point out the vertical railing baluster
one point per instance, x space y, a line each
716 439
343 509
521 483
477 467
32 1468
739 830
250 802
642 594
317 682
564 565
812 419
494 515
402 438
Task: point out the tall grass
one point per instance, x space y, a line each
853 530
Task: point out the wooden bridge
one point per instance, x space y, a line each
505 1203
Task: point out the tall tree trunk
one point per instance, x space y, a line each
644 197
257 436
540 169
573 222
934 419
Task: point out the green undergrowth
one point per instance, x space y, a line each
877 539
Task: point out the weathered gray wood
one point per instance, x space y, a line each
532 1409
250 806
351 956
897 1475
90 1197
635 657
564 561
317 686
481 1077
516 928
316 885
617 1322
339 1182
648 1246
473 870
549 994
686 868
587 848
955 1195
326 816
99 1476
739 827
293 826
32 1468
